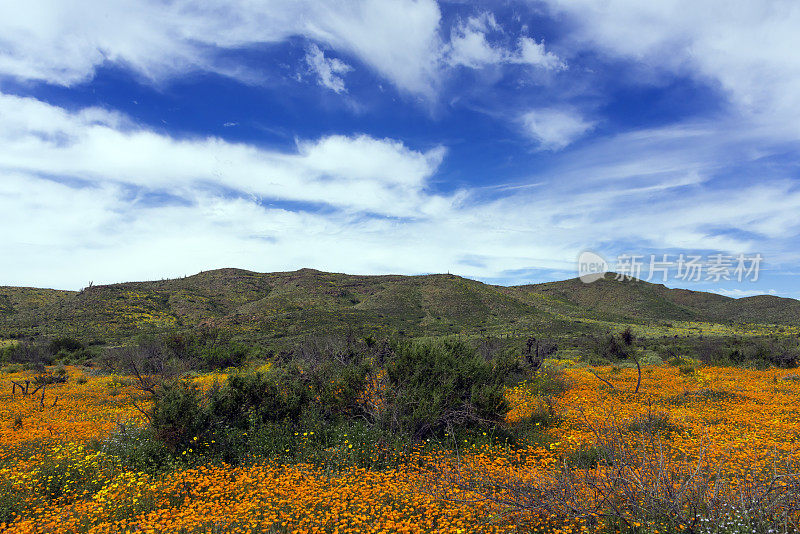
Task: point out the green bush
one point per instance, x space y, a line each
254 397
437 386
312 408
548 382
137 449
66 344
179 415
250 411
222 356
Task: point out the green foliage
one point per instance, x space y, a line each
6 353
247 399
686 366
220 357
259 405
439 385
314 407
137 449
210 348
614 347
548 382
755 351
179 414
66 344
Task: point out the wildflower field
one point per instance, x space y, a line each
61 469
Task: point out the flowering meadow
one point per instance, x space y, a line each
60 470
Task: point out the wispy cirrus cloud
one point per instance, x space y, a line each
64 44
745 48
402 41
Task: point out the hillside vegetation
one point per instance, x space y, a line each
279 308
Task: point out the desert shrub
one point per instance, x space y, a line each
548 382
651 358
6 352
222 356
65 344
179 414
137 448
612 347
686 366
80 356
12 368
536 351
251 398
302 407
758 352
174 353
436 386
258 413
511 368
31 354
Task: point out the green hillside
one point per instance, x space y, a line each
278 307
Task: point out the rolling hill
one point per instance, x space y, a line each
278 307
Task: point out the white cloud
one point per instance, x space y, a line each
77 188
747 48
357 173
469 47
64 43
554 129
329 71
533 53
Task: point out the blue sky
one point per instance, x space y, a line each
495 140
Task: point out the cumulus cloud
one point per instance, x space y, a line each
328 71
469 47
554 129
